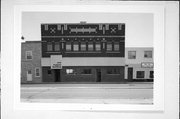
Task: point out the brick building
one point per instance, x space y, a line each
31 62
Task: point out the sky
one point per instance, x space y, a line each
138 32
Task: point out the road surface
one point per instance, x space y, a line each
88 93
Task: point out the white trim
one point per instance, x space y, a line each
36 72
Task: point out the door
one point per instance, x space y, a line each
29 75
57 75
98 75
130 73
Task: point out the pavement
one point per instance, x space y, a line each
133 93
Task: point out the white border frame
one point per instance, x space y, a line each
158 12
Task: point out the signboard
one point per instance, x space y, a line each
147 64
56 61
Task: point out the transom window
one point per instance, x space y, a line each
86 71
28 55
113 71
147 54
131 54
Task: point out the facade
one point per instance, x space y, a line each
83 52
31 62
139 64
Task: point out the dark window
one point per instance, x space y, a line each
98 46
83 46
28 55
76 46
140 74
68 46
109 46
86 71
49 46
131 54
57 46
49 72
151 74
90 46
116 46
113 71
147 54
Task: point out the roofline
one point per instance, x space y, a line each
78 23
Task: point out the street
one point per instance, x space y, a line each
138 93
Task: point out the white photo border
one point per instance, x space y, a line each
158 93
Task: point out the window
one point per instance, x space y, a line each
49 46
49 72
113 71
57 46
90 46
83 46
116 46
68 46
109 46
86 71
76 47
37 72
131 54
28 55
140 74
70 71
147 54
151 74
98 46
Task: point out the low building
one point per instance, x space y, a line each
31 62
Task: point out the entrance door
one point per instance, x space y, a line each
57 75
130 73
98 75
29 75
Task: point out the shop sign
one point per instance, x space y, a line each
56 61
147 65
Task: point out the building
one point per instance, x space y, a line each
31 62
139 64
83 52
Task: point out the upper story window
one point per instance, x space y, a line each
90 46
68 46
116 46
57 46
49 46
98 46
28 55
109 46
83 46
76 46
147 54
131 54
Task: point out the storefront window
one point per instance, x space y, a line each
109 46
140 74
83 46
113 71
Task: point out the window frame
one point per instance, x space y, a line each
69 43
49 43
140 77
129 55
27 55
147 55
55 44
36 71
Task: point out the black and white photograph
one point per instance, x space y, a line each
76 57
